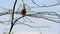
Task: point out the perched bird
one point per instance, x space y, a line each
23 10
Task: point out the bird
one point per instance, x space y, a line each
23 10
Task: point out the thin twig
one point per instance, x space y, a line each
18 19
29 20
43 5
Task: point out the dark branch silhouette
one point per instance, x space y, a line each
12 16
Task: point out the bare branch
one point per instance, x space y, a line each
58 1
33 26
29 20
25 24
43 13
4 13
18 19
12 23
4 8
50 19
44 17
43 5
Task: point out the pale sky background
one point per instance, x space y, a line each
54 28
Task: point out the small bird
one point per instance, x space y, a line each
23 10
